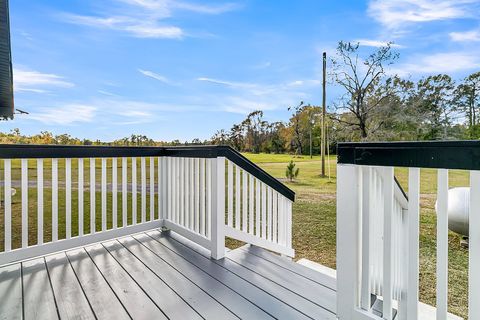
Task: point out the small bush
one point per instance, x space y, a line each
291 171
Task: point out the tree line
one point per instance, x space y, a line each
375 105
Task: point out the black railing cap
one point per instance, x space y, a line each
463 154
35 151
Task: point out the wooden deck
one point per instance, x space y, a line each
154 275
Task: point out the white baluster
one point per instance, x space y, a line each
68 198
54 199
442 244
39 201
24 203
474 247
413 242
80 196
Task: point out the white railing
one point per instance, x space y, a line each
72 196
256 213
378 229
69 202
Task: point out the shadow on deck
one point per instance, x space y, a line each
154 275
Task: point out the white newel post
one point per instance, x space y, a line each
218 208
348 240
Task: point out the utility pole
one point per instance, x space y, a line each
323 112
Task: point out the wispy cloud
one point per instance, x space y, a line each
216 9
398 13
227 83
64 115
107 93
136 27
166 6
245 97
155 76
448 62
375 43
26 80
145 18
472 35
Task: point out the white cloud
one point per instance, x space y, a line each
227 83
473 35
397 13
136 27
217 9
144 18
107 93
375 43
25 80
64 115
245 97
449 62
155 76
165 6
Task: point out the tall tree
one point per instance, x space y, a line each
436 102
467 98
364 80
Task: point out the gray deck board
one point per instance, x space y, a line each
255 295
205 305
133 298
163 296
102 299
71 301
155 275
299 269
226 296
38 299
11 292
312 291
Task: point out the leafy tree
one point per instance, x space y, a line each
467 97
436 103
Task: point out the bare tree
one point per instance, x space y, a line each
364 80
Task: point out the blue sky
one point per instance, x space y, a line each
184 69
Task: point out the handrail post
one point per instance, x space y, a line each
218 208
348 240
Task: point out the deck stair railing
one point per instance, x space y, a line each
58 197
378 227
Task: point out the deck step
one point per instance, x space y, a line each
300 269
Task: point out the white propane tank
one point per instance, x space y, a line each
458 209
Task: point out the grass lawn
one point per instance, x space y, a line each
314 216
314 223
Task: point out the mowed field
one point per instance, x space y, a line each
314 215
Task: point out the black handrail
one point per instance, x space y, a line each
22 151
463 155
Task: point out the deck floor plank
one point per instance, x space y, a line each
262 299
102 299
229 298
133 298
70 298
38 299
280 292
205 305
164 297
11 292
299 269
157 275
312 291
